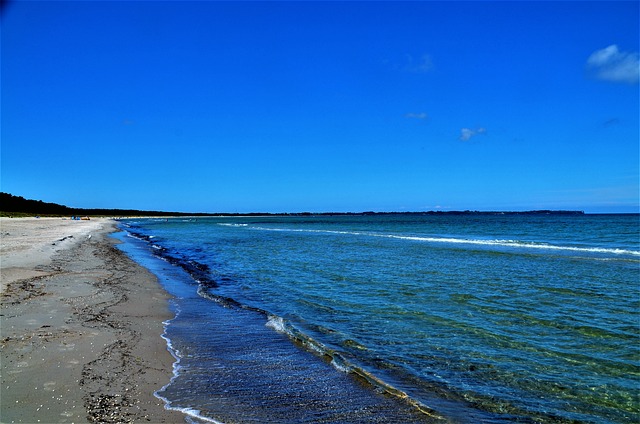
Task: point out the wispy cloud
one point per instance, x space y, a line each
420 65
467 133
411 64
611 64
419 115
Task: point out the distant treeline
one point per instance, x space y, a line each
19 205
467 212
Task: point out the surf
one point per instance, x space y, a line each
436 313
520 244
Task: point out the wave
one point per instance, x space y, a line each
340 363
189 412
200 274
479 242
207 282
522 244
336 359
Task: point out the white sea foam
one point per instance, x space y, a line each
189 412
277 323
520 244
134 236
315 346
478 242
176 364
517 243
195 413
340 364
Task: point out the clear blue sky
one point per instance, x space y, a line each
322 106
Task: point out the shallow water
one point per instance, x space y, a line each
471 317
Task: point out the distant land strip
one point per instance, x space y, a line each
16 206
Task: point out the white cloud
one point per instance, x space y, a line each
467 133
421 65
420 115
611 64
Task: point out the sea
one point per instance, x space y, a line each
399 318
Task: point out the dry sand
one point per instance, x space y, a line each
80 327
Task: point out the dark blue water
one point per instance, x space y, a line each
462 318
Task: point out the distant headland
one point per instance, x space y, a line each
11 205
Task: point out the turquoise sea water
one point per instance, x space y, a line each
400 318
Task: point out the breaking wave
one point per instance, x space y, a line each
464 241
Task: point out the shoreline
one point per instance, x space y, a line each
260 366
81 327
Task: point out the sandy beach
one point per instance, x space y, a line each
80 327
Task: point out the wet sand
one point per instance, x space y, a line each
80 327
